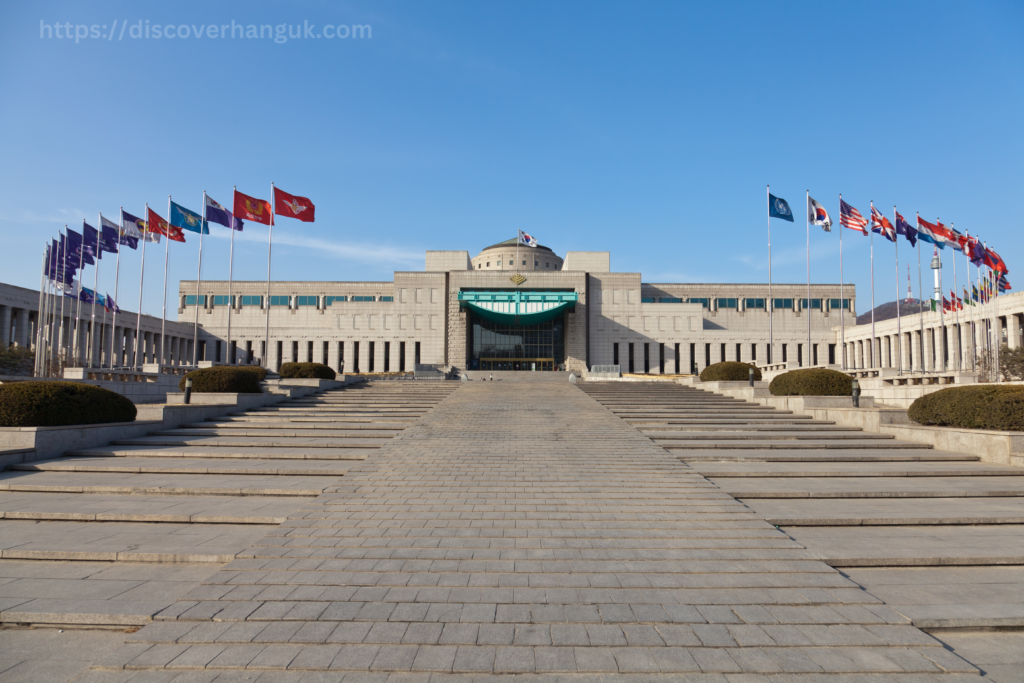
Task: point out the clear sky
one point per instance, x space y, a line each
647 129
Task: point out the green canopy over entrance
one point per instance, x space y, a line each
517 307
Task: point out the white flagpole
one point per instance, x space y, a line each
942 310
974 305
899 330
76 348
842 285
231 279
95 293
920 292
117 280
60 328
44 361
164 356
956 313
270 243
139 358
872 238
771 303
39 316
199 278
809 356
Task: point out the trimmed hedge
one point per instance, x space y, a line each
812 382
306 371
224 379
729 371
54 404
974 407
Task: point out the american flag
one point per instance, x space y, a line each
881 225
850 217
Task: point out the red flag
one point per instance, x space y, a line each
997 261
158 225
252 209
292 206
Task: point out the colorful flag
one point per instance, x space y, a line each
292 206
956 301
136 228
218 214
252 209
109 236
974 293
881 225
959 239
189 220
91 238
1004 284
977 254
817 214
967 297
931 233
110 304
995 261
77 254
906 229
527 239
779 208
158 225
849 217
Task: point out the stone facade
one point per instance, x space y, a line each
377 326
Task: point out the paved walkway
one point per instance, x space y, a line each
526 529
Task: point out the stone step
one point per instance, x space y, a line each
874 487
890 511
827 455
790 444
126 542
243 442
212 452
293 425
717 470
163 484
668 431
198 465
762 436
276 432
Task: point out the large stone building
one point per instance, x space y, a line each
514 309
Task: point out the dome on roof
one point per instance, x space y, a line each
502 256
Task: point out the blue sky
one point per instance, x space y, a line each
646 129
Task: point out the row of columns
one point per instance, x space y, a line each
17 326
178 351
709 353
963 342
376 355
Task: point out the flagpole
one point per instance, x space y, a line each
920 293
142 279
117 280
270 244
50 308
973 303
771 303
95 290
842 286
163 314
956 309
103 326
60 328
47 332
231 278
810 356
942 308
899 330
78 315
871 237
199 278
39 313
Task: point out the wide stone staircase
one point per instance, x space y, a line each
111 536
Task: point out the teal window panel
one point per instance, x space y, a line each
280 301
190 300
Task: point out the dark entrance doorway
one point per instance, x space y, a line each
494 346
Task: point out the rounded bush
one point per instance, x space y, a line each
729 371
261 373
974 407
306 371
54 404
812 382
224 379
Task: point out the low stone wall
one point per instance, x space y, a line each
999 447
513 376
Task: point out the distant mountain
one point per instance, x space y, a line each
888 311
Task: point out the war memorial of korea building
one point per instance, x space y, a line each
509 309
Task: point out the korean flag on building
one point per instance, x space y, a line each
526 239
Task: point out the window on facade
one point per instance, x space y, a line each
306 301
190 300
364 298
671 300
252 300
754 303
488 264
815 303
783 304
511 263
835 304
546 264
647 300
703 301
536 263
478 266
524 262
222 300
279 300
728 303
387 298
328 300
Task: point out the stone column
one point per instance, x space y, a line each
364 355
5 326
21 327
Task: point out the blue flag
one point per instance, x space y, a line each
77 256
91 240
779 208
906 229
188 220
218 214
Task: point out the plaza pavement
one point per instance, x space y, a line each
489 529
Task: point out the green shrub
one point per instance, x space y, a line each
729 371
306 371
261 373
974 407
224 378
53 404
812 382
